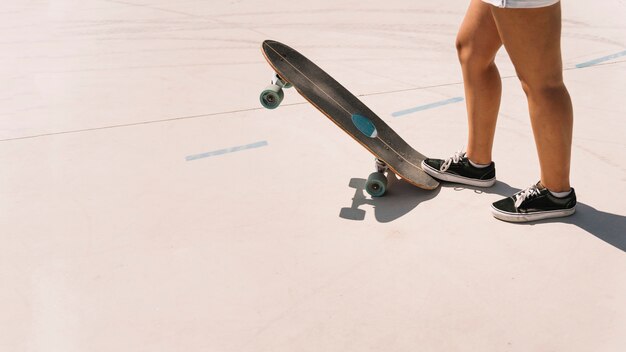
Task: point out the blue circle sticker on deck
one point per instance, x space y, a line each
365 125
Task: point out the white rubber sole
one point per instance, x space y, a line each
456 178
516 217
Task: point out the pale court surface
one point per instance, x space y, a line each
148 202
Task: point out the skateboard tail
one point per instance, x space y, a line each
427 186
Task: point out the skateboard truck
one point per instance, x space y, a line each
273 94
376 184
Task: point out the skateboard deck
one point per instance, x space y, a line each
348 112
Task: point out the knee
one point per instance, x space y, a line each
472 55
464 50
545 86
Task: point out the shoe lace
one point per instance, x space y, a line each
528 193
453 159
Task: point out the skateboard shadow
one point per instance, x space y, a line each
400 199
610 228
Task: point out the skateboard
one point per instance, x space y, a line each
391 152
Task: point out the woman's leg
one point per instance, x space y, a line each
532 39
477 44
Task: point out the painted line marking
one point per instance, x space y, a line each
427 106
601 59
227 150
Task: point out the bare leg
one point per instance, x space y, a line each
477 44
532 39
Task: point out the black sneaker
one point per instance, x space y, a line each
458 169
534 203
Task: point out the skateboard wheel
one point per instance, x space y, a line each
272 96
376 184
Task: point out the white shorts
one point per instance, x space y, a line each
521 4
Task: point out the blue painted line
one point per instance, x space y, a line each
601 59
227 150
427 106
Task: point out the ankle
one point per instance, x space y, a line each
477 165
478 159
561 194
557 188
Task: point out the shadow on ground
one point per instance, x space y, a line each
610 228
401 198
